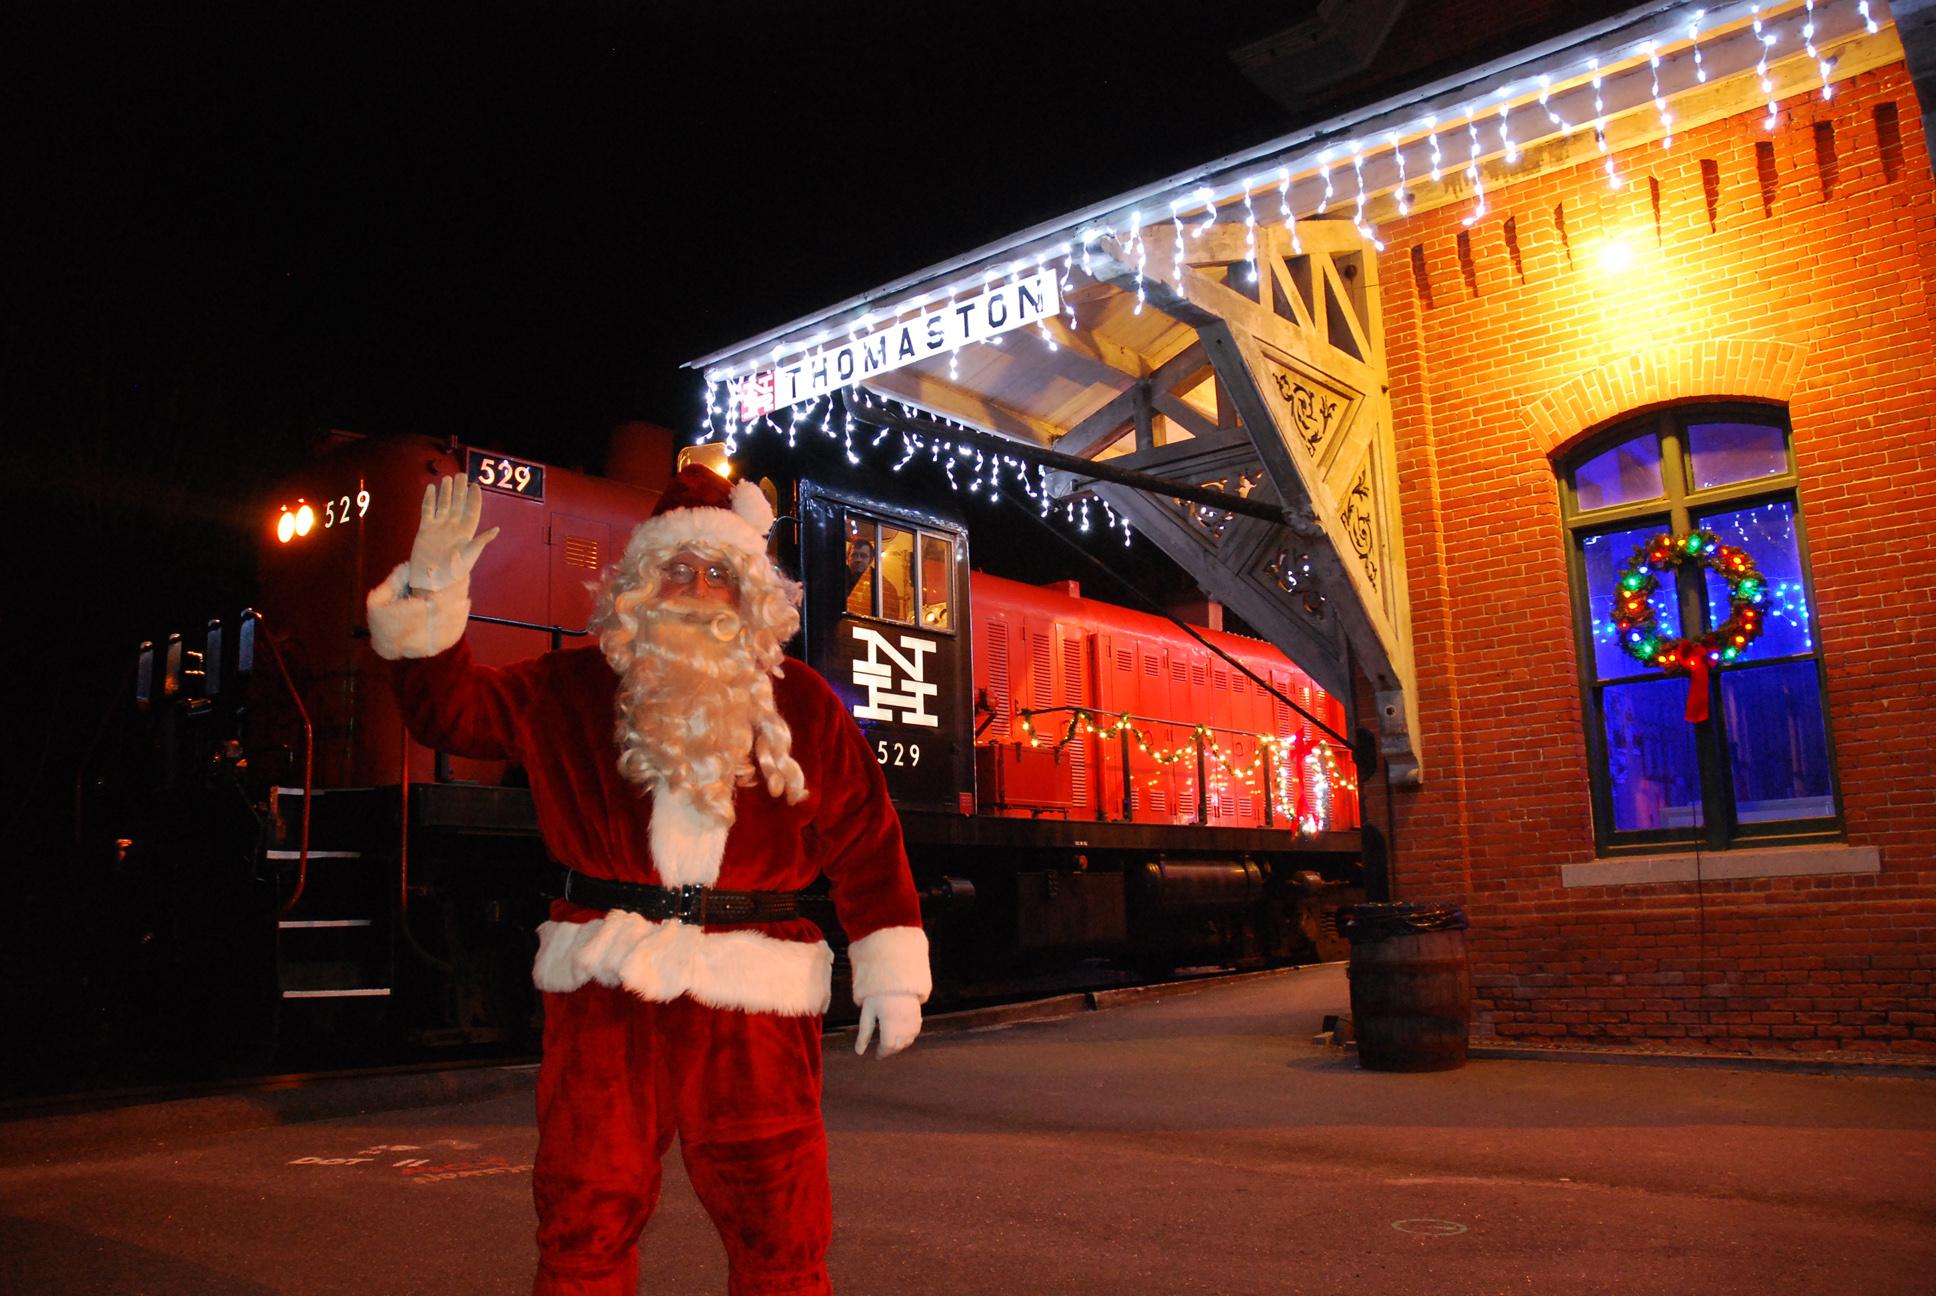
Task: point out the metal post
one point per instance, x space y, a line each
1129 801
1203 786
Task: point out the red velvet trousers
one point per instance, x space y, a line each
741 1090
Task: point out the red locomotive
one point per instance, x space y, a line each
1076 779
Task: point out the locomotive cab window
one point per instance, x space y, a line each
937 560
863 542
898 573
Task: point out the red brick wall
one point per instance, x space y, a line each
1826 300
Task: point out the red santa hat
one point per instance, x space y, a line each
702 508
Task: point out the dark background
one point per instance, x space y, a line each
227 228
230 227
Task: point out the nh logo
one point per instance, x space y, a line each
886 690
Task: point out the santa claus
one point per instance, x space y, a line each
692 780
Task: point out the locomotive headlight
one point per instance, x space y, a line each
286 525
305 520
711 455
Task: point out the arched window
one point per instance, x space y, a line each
1762 767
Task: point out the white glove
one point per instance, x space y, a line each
897 1015
447 544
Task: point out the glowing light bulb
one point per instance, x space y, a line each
1250 232
1472 169
1616 256
1403 198
1284 207
305 520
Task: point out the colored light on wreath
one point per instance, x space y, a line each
1634 614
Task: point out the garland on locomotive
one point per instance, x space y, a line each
1076 779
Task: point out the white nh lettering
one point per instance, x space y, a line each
877 677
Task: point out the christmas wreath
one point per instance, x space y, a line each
1634 617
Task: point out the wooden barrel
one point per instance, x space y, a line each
1411 1001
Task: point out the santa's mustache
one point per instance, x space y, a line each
722 623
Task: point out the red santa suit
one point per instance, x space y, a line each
655 1028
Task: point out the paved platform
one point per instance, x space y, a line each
1194 1143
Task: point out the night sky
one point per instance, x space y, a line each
229 227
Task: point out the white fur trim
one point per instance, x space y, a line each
687 844
416 623
893 960
749 501
684 526
659 961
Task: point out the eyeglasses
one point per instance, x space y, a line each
718 574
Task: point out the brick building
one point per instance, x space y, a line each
1668 273
1779 276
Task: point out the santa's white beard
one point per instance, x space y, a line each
692 704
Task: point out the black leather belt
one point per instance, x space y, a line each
687 904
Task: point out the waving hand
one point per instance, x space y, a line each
447 544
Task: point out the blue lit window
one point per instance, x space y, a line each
1762 766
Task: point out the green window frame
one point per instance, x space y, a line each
1649 790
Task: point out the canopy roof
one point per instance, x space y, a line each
1222 327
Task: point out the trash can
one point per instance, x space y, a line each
1411 992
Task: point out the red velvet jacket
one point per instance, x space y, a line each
554 714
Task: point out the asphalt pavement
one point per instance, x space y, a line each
1194 1143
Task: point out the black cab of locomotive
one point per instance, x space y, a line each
885 620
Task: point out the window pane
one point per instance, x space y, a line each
897 574
1732 452
1767 533
1651 766
1777 745
1605 555
937 565
860 567
1623 475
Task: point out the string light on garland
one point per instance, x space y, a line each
1208 197
965 467
1472 169
1660 104
1808 43
1284 206
1688 46
1318 816
1042 325
1250 233
1767 42
1635 619
1365 231
1559 123
1400 195
1600 126
1265 772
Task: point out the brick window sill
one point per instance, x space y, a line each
1770 861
